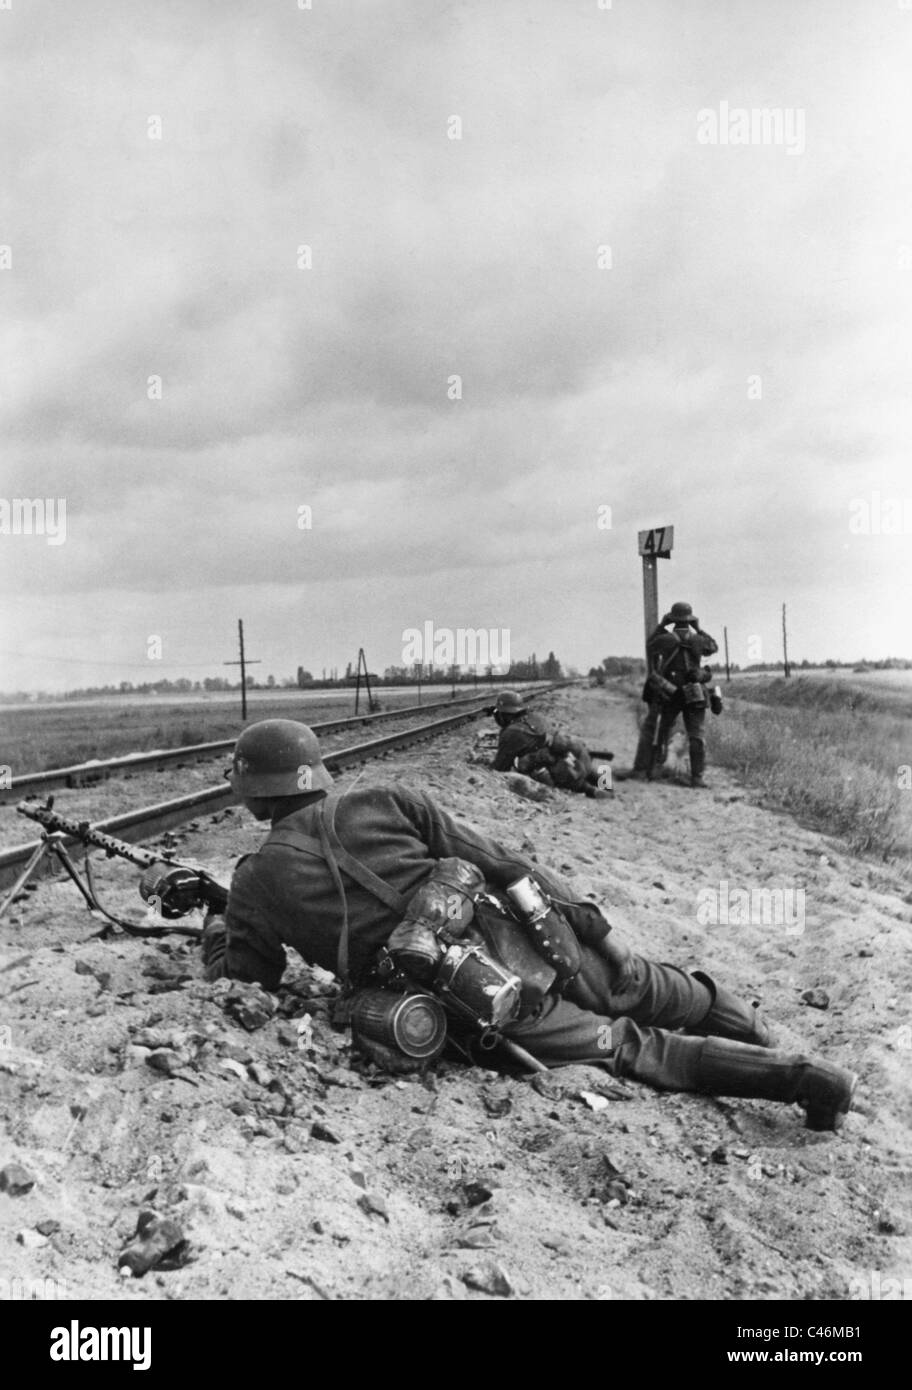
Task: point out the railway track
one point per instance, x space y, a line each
147 822
99 770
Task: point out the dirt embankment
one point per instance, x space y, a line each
128 1084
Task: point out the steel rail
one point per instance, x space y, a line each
147 822
99 770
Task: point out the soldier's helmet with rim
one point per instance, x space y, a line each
277 757
508 702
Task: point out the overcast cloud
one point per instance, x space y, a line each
432 257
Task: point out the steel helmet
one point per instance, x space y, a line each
277 757
681 613
508 702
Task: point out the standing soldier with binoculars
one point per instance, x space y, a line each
676 684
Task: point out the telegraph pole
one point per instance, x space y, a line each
244 662
362 666
785 651
728 674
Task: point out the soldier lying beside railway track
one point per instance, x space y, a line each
382 886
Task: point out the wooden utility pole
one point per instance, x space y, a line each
728 674
653 545
785 650
362 665
244 662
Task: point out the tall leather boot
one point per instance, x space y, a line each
824 1091
721 1067
730 1017
697 764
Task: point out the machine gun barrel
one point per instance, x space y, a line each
56 824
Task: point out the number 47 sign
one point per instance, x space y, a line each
657 543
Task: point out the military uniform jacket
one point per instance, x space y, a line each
519 738
286 896
682 663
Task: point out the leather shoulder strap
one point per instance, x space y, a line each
320 849
330 849
296 839
357 871
665 665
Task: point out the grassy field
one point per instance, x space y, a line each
36 737
889 692
829 751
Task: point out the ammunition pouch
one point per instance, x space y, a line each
694 694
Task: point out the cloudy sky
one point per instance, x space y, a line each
737 363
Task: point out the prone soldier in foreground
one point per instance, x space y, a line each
384 888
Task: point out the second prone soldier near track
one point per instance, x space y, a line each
532 746
376 873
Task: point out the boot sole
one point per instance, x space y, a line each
832 1120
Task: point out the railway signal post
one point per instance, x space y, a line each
653 545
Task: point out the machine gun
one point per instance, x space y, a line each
171 886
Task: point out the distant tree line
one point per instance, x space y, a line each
636 666
420 673
617 666
531 669
888 663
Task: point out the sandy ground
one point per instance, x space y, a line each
293 1173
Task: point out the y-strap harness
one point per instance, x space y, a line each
662 666
331 849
